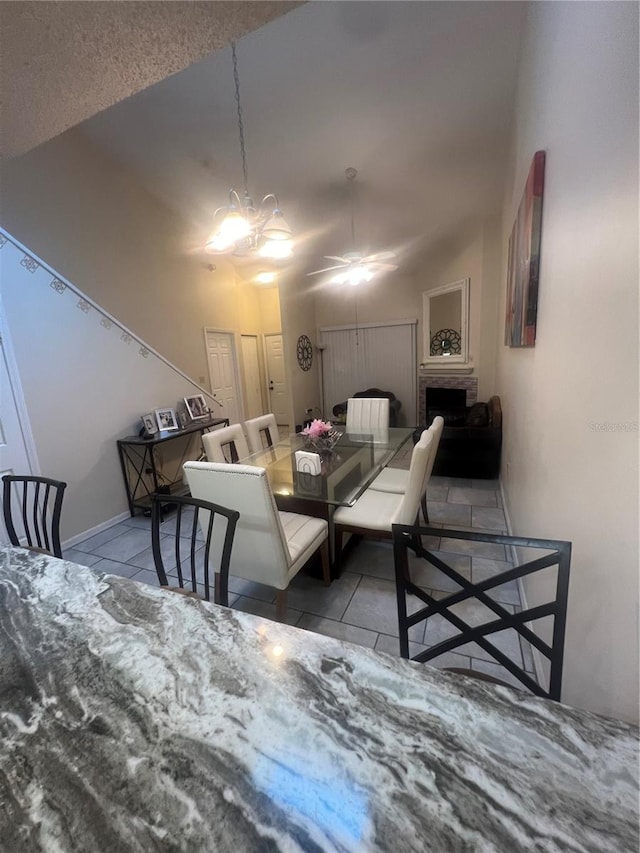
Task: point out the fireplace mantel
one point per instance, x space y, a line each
442 371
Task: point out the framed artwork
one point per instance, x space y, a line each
183 419
196 406
524 261
149 423
166 419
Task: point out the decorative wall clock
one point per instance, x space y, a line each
446 342
305 352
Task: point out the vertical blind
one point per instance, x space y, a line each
372 356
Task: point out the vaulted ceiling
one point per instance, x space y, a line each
417 96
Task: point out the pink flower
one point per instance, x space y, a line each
317 428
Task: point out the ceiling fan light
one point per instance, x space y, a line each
357 267
265 277
357 274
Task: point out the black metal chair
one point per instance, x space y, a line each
407 538
32 507
189 552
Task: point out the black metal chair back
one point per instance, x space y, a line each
189 552
32 507
407 538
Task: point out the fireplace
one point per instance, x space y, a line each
430 386
450 403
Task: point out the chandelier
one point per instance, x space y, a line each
241 227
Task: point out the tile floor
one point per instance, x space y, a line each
360 606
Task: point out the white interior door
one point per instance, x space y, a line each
15 434
276 379
223 374
251 376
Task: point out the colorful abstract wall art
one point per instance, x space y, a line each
524 261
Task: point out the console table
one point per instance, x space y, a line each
137 458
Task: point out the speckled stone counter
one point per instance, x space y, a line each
134 719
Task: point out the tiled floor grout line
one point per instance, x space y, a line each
351 597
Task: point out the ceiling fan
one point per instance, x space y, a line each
353 267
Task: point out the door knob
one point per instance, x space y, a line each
271 385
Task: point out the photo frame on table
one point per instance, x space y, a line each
166 419
149 425
196 406
183 418
524 261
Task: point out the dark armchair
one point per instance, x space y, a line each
340 409
471 441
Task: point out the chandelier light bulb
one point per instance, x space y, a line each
234 227
277 227
217 244
276 249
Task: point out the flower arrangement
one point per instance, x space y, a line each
320 435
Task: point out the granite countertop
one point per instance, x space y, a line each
134 719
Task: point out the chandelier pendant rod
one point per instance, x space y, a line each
243 153
245 228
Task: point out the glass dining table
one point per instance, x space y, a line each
345 471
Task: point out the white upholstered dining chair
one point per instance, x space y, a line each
375 512
365 413
257 427
270 547
230 437
395 479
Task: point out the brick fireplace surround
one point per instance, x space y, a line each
431 380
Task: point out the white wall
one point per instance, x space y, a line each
298 318
84 387
89 219
564 477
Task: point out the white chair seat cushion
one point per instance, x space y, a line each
391 480
304 535
373 510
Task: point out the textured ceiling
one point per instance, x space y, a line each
62 62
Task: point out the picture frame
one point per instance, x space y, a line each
524 261
183 419
166 419
196 406
149 424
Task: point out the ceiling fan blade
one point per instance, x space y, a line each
327 269
336 258
386 267
379 256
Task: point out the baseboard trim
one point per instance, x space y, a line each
537 657
104 525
